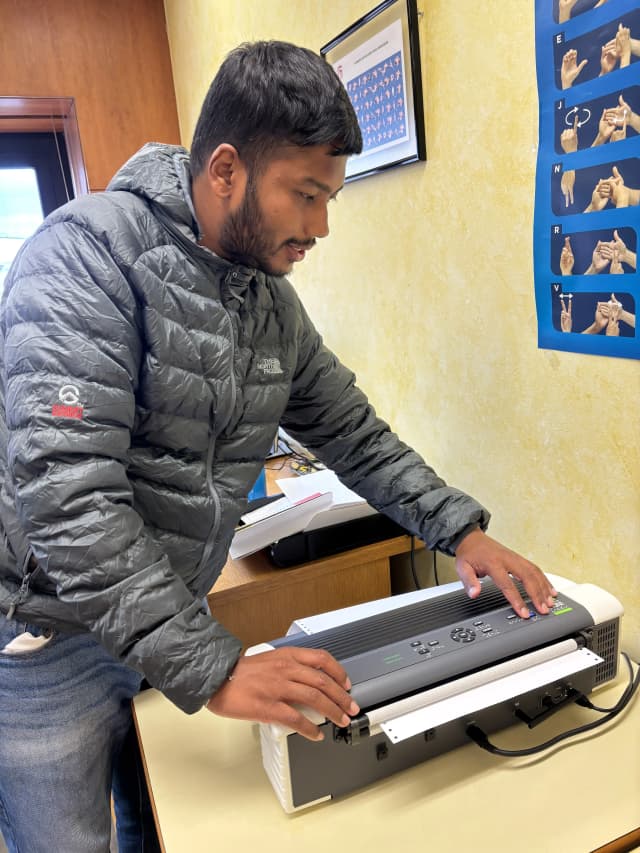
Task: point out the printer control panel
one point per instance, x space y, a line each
433 655
498 623
397 652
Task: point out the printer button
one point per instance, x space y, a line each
424 651
463 635
434 642
416 643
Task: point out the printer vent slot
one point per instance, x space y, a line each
364 635
604 642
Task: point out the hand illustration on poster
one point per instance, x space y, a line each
597 122
564 10
594 252
596 188
594 313
608 48
587 203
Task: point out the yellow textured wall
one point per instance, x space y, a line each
424 288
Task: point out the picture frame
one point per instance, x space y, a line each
378 60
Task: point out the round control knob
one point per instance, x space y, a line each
463 635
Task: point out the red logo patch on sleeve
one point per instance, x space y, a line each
60 411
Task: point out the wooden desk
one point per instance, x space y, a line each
210 792
258 602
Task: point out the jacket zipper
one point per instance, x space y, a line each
194 250
23 592
215 527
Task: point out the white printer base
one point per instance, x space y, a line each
527 684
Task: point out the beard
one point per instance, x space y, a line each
245 238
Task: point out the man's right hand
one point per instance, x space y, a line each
270 687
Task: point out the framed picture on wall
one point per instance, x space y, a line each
378 60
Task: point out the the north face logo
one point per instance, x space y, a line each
69 405
269 366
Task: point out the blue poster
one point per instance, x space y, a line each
378 97
587 205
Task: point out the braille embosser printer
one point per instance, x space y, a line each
425 666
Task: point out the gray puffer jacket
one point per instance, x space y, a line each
143 380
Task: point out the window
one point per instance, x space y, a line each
20 212
34 180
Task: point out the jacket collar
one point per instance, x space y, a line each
161 175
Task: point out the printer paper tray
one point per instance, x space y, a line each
468 695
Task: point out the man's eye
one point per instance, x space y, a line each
307 196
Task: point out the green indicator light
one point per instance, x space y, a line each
564 610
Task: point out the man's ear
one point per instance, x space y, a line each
225 172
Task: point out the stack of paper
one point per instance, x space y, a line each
309 503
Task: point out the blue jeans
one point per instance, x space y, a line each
67 741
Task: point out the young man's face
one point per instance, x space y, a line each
284 209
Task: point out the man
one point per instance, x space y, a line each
151 347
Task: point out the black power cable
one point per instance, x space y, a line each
414 571
478 736
412 558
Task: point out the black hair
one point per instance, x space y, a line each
272 93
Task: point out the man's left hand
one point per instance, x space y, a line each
479 556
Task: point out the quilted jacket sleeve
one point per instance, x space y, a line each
331 416
72 354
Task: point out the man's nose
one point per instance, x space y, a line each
318 223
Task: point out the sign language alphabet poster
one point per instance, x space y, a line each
587 205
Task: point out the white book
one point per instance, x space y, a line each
310 502
285 521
